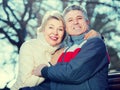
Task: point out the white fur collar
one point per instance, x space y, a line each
47 47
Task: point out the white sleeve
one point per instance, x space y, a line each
26 65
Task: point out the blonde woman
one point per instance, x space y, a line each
39 50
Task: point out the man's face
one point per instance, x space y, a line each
75 23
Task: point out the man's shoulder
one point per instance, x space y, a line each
95 39
94 42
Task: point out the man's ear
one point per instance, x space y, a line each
88 22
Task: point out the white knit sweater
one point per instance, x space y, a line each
32 53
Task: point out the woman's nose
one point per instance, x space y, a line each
56 31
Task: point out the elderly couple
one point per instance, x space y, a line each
66 55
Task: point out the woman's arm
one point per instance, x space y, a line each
92 33
26 65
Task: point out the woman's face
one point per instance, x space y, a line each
54 31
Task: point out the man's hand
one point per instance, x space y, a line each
91 33
37 70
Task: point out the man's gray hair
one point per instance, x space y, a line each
75 7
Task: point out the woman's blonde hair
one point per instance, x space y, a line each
49 15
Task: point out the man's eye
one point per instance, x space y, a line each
79 18
70 20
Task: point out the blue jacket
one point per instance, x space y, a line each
87 70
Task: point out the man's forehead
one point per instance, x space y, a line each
73 13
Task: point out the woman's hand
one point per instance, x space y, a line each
91 33
37 70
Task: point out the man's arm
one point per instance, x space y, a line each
89 61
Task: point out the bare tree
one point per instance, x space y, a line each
16 21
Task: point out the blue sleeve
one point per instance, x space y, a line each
89 61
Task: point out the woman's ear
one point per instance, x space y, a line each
43 31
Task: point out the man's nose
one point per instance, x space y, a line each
75 21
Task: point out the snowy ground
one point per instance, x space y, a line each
7 76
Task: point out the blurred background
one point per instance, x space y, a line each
19 20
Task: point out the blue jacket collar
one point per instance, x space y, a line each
70 40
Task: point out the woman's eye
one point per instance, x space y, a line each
60 29
50 27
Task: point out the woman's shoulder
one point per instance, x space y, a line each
29 43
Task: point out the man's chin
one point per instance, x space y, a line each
74 34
